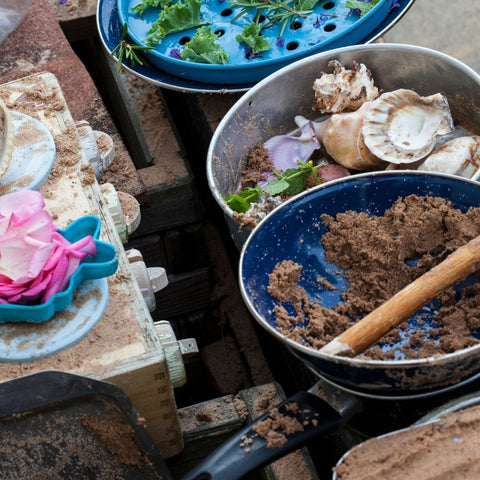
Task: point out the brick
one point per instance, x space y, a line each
39 44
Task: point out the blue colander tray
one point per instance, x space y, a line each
331 25
104 263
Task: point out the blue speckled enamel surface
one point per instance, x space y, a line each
293 231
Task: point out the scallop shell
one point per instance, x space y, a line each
459 156
401 126
6 138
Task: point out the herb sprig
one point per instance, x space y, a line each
129 51
275 11
290 182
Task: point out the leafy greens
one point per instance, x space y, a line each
180 16
362 6
203 49
251 36
291 182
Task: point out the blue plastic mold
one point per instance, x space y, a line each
104 263
27 342
110 31
31 162
330 26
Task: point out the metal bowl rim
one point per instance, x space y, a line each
228 117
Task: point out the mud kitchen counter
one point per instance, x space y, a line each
123 347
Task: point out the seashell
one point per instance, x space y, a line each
344 89
342 138
401 126
6 138
459 156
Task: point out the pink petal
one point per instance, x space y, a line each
286 150
85 245
332 172
57 280
29 295
22 203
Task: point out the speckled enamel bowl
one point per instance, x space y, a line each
293 231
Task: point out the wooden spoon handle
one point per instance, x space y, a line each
367 331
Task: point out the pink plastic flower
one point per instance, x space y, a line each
35 260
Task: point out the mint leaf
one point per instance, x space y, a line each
241 202
175 18
203 49
277 187
292 180
252 37
144 4
297 183
363 7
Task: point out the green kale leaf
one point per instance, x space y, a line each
251 35
203 49
175 18
144 4
363 7
305 6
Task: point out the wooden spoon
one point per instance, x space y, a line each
367 331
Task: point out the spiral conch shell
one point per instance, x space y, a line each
401 126
6 138
342 138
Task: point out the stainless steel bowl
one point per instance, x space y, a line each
270 106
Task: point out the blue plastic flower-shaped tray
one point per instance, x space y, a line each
331 25
104 263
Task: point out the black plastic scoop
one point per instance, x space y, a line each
246 450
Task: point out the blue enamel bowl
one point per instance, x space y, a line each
104 263
293 231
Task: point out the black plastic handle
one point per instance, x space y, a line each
234 458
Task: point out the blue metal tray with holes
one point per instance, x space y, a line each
331 25
110 32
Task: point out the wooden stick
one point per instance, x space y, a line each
367 331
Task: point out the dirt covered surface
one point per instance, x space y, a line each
379 255
448 448
114 337
81 438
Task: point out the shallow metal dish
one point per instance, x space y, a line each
269 108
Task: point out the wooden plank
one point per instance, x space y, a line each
124 340
207 424
185 293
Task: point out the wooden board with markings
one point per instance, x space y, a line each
123 347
